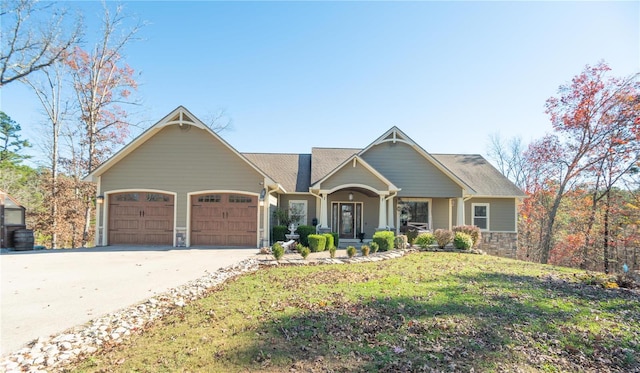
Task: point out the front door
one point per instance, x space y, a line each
347 219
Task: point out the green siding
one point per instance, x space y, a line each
180 161
410 171
353 175
440 213
311 204
502 213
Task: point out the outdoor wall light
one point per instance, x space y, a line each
100 199
350 196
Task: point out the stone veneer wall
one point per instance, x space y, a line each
504 244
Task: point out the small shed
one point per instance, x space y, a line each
12 218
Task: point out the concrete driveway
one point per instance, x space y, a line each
45 292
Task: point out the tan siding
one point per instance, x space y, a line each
410 171
354 175
501 213
440 213
311 204
182 161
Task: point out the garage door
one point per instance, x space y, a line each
141 218
224 219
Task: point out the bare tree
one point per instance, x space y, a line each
218 121
509 158
30 44
49 90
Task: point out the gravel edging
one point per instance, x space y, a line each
51 354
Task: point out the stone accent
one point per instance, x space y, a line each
503 244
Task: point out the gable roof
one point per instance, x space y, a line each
325 160
180 117
291 171
478 173
357 159
394 134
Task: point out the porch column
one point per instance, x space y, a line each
390 221
460 211
382 216
323 210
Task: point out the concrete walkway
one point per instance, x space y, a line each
45 292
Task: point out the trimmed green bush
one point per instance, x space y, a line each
278 232
304 231
336 239
443 237
412 234
374 247
462 241
384 239
299 247
304 251
400 242
329 242
365 250
332 252
317 242
351 251
424 240
278 251
472 231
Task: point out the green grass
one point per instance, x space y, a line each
423 312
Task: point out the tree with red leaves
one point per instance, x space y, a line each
586 116
102 84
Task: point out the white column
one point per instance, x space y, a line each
382 216
323 210
390 212
460 211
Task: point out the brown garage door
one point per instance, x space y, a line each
223 219
141 218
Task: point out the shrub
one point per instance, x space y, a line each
317 242
425 240
443 237
374 247
351 251
472 231
462 241
329 241
400 242
304 231
299 247
332 252
278 251
278 232
304 251
384 239
336 239
412 234
365 250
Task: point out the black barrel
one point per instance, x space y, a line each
23 239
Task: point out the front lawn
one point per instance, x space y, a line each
422 312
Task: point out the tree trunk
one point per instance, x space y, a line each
547 237
605 246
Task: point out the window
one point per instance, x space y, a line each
130 197
157 197
415 212
298 211
480 215
237 198
210 198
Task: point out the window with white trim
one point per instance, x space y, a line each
298 211
480 212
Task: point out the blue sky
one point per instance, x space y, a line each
293 75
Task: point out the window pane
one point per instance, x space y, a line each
480 211
131 197
13 216
480 222
210 198
157 197
237 198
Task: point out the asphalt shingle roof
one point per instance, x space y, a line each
325 160
292 171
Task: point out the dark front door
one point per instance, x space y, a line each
346 220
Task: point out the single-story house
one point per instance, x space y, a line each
179 183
